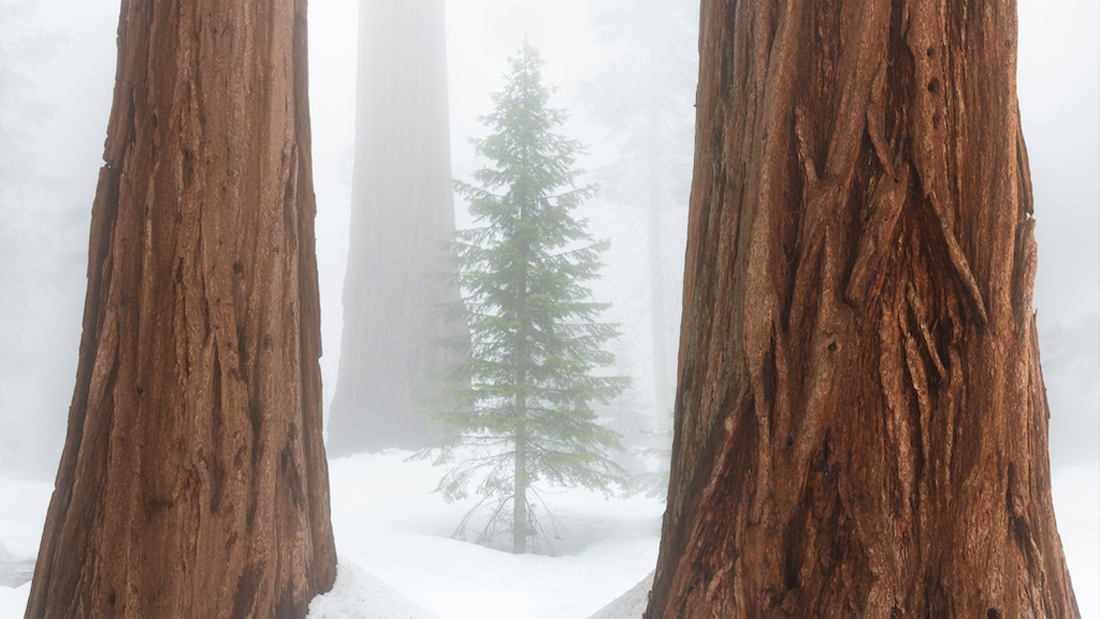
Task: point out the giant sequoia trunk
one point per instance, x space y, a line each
193 482
861 427
402 208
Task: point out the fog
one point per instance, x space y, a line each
1058 85
49 167
44 211
45 217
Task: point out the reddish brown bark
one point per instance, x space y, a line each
193 482
402 209
861 426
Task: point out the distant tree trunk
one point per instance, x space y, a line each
519 496
193 481
861 426
523 361
402 208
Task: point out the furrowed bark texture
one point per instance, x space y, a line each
193 481
402 209
861 425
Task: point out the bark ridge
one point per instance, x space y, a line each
861 423
193 482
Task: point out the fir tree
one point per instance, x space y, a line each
522 401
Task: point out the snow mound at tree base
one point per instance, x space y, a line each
358 594
629 605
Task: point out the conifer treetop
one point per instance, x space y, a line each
522 400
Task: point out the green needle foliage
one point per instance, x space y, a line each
522 401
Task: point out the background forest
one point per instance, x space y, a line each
57 63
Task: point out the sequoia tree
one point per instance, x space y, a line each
193 482
402 209
861 425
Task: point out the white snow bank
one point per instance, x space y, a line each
1076 491
386 518
13 602
629 605
22 511
357 594
393 536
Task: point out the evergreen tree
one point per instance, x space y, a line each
522 400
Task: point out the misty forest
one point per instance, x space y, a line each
583 309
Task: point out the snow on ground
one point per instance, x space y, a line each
358 594
387 520
398 560
1076 491
22 511
629 605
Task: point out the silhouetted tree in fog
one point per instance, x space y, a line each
402 209
645 100
861 424
23 259
522 400
193 481
20 110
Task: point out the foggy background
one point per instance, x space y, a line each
48 176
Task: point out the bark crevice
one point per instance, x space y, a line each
856 369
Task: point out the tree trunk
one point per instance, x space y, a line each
193 481
519 495
523 361
402 208
861 425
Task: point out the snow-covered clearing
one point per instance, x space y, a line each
398 560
